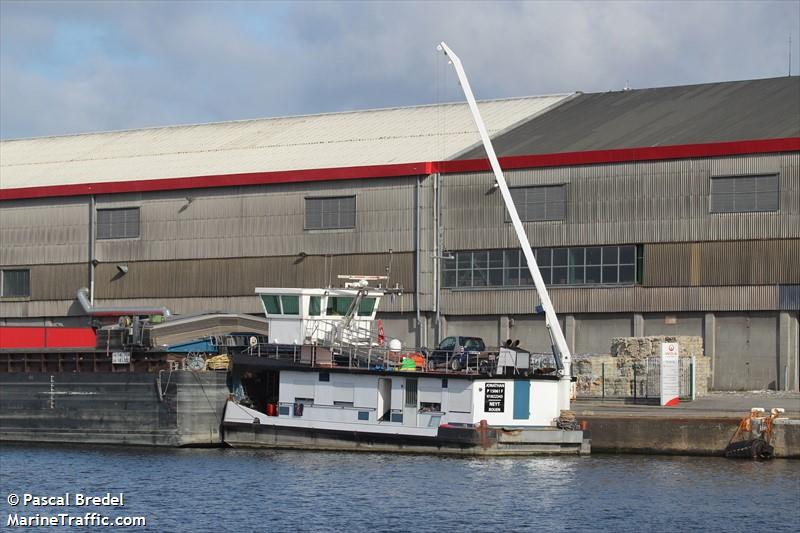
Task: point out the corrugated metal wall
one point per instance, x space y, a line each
240 276
57 282
51 230
263 220
236 304
661 201
623 299
767 262
222 242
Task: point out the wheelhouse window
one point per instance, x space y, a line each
339 305
281 305
315 306
582 265
118 223
15 283
366 306
540 202
333 212
742 194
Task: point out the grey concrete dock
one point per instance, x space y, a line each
701 427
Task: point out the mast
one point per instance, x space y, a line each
560 348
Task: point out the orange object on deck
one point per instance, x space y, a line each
418 360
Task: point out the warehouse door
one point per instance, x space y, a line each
746 351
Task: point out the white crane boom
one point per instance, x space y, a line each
560 347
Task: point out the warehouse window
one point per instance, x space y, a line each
118 223
739 194
542 202
582 265
15 283
335 212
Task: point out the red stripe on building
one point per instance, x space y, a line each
627 155
594 157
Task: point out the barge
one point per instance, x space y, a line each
342 387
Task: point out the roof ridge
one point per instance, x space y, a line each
287 117
664 87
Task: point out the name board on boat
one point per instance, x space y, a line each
120 358
670 373
494 398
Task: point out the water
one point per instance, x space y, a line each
239 490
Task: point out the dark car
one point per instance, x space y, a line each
457 353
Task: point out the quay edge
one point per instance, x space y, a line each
680 435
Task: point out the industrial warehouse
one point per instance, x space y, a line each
666 211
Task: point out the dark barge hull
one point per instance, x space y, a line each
449 441
156 408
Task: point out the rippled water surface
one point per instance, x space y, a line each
236 490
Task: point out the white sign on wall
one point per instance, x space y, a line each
670 373
120 358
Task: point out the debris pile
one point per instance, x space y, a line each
643 347
631 369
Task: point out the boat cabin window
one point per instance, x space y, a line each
366 307
315 306
338 305
305 401
271 304
285 304
291 305
430 407
411 393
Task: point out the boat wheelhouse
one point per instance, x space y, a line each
312 316
328 380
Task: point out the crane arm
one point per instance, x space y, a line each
562 353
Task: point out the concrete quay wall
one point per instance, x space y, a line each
690 435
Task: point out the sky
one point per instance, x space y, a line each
75 67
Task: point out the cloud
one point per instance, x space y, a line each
69 67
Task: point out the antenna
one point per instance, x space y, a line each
790 54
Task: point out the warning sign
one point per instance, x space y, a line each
495 398
670 373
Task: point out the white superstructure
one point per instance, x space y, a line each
312 316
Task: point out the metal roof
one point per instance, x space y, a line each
350 139
690 114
